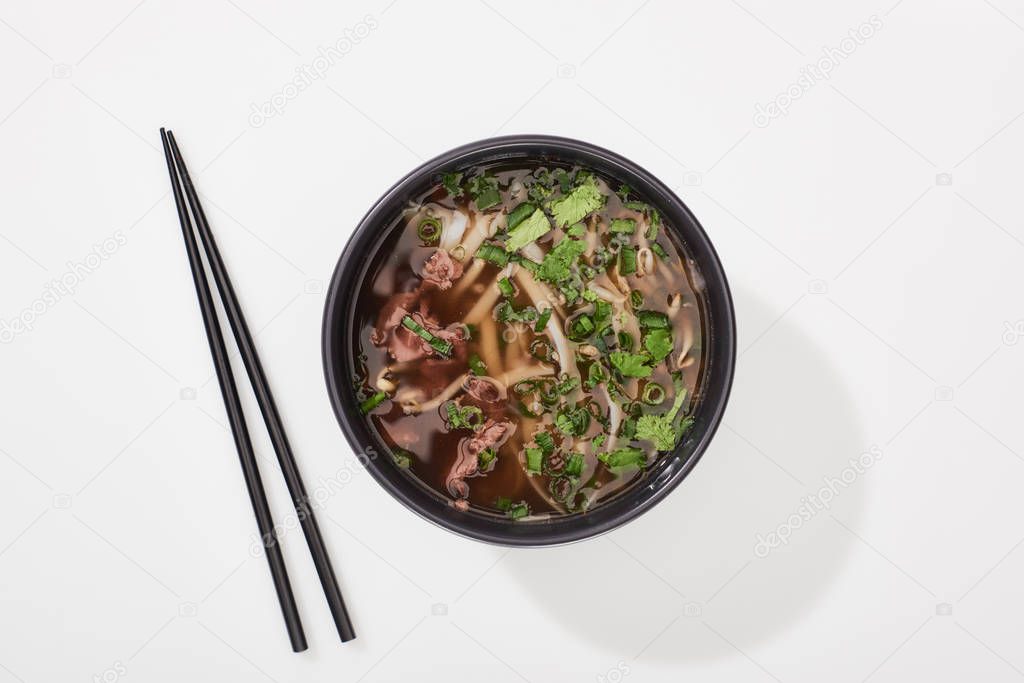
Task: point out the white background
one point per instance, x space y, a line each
872 234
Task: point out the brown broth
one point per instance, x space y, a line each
431 447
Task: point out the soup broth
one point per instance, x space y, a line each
530 339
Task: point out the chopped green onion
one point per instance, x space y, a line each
574 465
464 417
623 457
581 327
542 321
493 254
440 345
518 511
477 366
627 261
653 393
503 503
505 285
519 214
429 230
659 250
653 320
545 441
625 341
567 384
625 226
533 459
402 458
485 458
636 298
372 402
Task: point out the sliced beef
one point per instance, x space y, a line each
441 270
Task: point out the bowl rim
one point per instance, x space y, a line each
670 469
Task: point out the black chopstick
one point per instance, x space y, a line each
268 407
236 418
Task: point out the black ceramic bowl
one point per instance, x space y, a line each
660 479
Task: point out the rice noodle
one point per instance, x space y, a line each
469 276
411 404
484 226
614 417
489 353
485 304
514 376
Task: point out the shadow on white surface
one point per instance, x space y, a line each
686 581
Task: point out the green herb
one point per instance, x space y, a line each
658 343
655 224
518 511
505 285
627 261
630 364
602 313
575 206
493 254
507 313
653 320
623 457
581 327
520 213
542 321
567 384
557 263
659 429
624 226
563 179
599 440
623 192
485 458
402 458
595 375
477 366
577 231
452 184
440 345
534 456
429 230
369 404
464 417
653 393
484 190
536 225
574 465
573 421
546 442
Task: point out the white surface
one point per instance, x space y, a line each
873 297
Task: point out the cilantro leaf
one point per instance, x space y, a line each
484 190
527 231
623 457
660 430
452 184
575 206
558 262
658 343
630 364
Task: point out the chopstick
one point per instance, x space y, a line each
239 431
268 407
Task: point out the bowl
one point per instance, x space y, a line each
661 478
